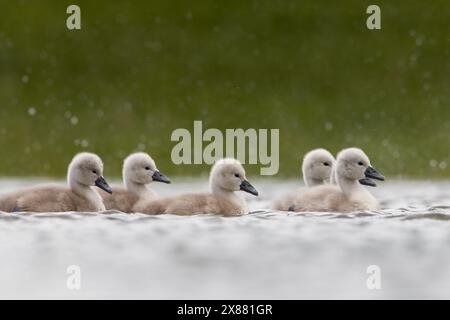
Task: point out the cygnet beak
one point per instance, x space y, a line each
158 176
368 182
374 174
102 184
247 187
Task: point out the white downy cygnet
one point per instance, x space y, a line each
139 169
353 169
226 177
85 171
316 168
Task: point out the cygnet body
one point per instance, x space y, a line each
316 169
353 169
139 169
85 171
226 177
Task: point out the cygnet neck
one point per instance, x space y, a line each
85 192
350 187
136 188
77 187
228 194
219 191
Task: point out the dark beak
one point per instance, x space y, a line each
247 187
374 174
368 182
102 184
158 176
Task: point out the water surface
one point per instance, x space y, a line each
263 255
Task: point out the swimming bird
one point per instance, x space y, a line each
139 169
226 177
85 171
316 168
353 169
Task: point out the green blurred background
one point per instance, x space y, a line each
140 69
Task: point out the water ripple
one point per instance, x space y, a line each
264 254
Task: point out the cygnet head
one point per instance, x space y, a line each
353 164
139 168
317 166
86 169
229 175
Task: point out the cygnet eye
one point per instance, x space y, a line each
236 175
147 168
94 171
326 164
360 163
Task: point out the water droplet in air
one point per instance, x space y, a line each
32 111
433 163
84 143
74 120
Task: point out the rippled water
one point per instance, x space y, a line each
263 255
